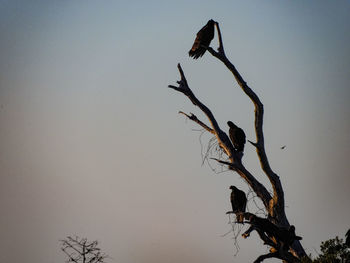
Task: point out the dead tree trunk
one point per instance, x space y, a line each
275 203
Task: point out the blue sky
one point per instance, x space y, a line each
91 142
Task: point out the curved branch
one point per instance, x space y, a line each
221 43
221 136
279 238
287 258
277 207
263 257
224 141
274 205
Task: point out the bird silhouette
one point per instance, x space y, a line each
202 41
237 136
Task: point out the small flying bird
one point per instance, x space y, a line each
284 146
238 202
203 39
237 136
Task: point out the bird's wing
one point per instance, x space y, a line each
242 135
196 44
203 38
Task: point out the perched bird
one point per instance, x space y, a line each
284 236
288 236
237 136
238 202
347 241
203 39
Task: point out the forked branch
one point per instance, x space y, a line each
277 207
221 136
223 140
274 204
80 250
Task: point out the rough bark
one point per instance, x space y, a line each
275 204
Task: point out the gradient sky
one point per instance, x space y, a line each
91 142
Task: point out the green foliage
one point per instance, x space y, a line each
332 251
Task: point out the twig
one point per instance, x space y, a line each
221 43
194 118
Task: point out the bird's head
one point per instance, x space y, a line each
232 187
292 229
231 124
211 22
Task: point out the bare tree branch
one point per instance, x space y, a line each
223 140
71 246
70 256
79 250
287 258
278 197
221 136
194 118
275 255
276 206
273 203
230 165
221 43
279 238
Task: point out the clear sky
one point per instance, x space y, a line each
91 142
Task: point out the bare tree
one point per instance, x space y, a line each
80 250
274 230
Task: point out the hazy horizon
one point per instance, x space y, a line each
92 143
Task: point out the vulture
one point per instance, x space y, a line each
347 241
203 39
238 202
287 236
284 236
237 136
